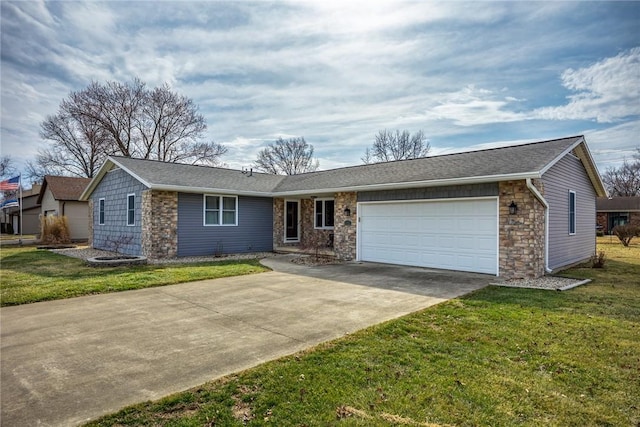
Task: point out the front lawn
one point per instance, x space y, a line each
29 275
497 357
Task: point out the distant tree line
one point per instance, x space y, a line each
625 179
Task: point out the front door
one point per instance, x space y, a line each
292 221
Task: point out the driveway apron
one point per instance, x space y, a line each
68 361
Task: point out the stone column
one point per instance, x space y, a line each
521 235
344 244
159 224
278 222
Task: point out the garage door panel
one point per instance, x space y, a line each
457 235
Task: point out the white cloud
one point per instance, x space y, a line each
610 146
333 72
474 106
606 91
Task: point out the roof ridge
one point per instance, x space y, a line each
443 155
187 164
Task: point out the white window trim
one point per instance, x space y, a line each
573 222
219 224
324 227
101 201
134 210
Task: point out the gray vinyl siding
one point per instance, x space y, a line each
114 188
565 176
254 232
425 193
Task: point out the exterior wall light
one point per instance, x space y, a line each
347 212
513 208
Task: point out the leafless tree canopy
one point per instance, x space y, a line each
124 119
624 180
397 145
7 168
287 157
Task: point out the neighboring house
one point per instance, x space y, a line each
60 196
30 212
617 211
517 211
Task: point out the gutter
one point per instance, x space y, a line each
542 200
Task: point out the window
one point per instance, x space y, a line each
131 209
220 210
572 212
101 211
324 213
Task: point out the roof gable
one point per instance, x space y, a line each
63 188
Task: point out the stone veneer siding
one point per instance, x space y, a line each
521 235
308 233
159 224
345 227
278 223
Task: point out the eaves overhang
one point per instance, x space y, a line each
413 184
209 190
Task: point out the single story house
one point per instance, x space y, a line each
60 196
30 212
517 211
615 211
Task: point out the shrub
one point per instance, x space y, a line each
315 242
116 243
55 230
598 260
626 232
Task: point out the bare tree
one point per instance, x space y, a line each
624 180
7 168
396 145
123 119
79 145
287 157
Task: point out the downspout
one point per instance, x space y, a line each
536 193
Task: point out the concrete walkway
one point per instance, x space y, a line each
68 361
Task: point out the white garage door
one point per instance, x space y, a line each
454 235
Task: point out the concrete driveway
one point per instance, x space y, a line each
66 362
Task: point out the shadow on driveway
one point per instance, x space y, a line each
415 280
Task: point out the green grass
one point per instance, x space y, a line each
497 357
29 275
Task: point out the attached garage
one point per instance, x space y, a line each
460 234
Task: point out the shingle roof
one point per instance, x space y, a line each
512 162
157 174
64 187
618 204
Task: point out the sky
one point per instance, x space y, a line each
471 75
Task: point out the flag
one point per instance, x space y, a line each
10 204
10 184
